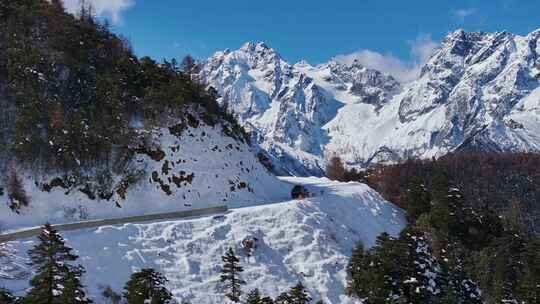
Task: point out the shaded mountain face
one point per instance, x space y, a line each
478 91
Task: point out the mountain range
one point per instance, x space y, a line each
477 92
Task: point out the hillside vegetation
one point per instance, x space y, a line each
472 235
74 96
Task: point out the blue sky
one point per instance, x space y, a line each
312 30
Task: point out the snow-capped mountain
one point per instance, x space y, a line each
287 106
478 91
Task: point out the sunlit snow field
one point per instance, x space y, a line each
307 240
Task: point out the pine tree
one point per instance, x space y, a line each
284 298
531 282
418 268
147 286
56 281
296 295
502 269
373 274
366 280
73 292
458 285
230 275
418 200
299 294
255 297
440 210
6 297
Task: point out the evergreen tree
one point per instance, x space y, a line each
500 268
419 269
418 200
299 294
56 280
296 295
16 192
373 275
6 297
284 298
255 297
440 210
147 287
73 292
366 278
530 286
230 275
402 269
459 287
356 269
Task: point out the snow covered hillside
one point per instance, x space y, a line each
478 91
187 165
308 240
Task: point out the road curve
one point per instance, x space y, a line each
28 233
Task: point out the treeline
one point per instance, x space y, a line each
471 238
72 92
504 183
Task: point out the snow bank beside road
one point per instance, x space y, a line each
308 240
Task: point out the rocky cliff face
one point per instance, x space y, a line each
478 91
482 79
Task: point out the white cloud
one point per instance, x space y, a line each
111 9
422 48
402 70
461 14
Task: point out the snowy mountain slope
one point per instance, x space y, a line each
480 78
478 91
308 240
187 165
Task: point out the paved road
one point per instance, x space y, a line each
117 221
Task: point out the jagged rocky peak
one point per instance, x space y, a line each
366 85
287 106
475 71
477 91
257 55
479 79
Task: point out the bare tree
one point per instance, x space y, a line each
16 193
335 169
